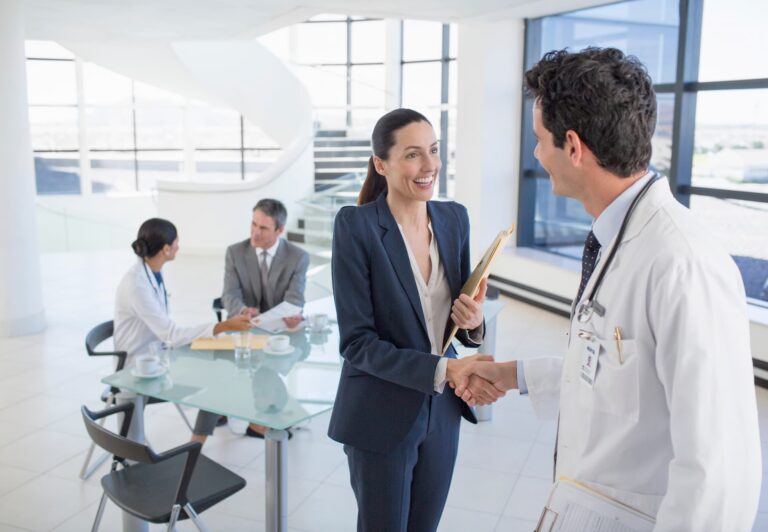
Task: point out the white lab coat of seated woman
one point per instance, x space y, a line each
142 314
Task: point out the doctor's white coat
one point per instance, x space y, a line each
673 430
142 315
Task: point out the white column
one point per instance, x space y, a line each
21 297
488 125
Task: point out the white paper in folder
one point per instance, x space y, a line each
573 507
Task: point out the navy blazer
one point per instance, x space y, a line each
388 371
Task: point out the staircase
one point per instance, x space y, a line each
337 155
341 164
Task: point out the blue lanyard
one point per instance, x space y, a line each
149 280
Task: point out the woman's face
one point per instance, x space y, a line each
413 164
170 251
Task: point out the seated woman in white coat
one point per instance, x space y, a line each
142 314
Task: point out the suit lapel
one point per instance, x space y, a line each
398 256
252 267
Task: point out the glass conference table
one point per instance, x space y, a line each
276 391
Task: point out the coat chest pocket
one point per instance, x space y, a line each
616 388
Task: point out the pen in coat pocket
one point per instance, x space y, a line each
617 335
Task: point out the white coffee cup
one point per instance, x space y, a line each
318 322
279 342
147 364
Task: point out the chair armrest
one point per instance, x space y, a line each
192 447
193 452
127 408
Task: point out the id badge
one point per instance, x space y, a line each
589 360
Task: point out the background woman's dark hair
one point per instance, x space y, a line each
153 235
604 96
382 140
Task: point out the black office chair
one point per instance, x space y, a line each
160 488
218 306
93 339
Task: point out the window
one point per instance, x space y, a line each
713 147
429 85
117 135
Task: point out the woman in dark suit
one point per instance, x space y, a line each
399 261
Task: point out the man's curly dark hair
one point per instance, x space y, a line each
603 95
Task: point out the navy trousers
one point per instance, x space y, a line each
405 490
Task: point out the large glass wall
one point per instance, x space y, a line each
712 132
94 130
429 85
97 131
342 62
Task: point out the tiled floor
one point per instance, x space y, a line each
501 479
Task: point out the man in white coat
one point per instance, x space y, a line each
655 394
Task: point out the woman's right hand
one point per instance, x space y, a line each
241 322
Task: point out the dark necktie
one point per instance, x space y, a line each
588 260
264 304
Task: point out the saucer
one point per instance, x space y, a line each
160 371
288 351
325 329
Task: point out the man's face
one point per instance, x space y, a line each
553 159
264 232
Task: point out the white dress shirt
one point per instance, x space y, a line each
142 314
435 298
271 251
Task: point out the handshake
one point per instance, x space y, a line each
478 380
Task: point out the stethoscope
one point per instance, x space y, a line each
591 306
157 292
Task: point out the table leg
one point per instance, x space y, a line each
276 497
135 433
488 347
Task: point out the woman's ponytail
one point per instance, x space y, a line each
374 184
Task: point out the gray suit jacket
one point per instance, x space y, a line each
242 281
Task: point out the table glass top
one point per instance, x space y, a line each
277 391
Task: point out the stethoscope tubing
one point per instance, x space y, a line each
586 309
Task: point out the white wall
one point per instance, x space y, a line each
93 222
488 125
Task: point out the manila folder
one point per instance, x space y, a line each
481 270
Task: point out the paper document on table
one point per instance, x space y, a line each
481 270
272 320
574 507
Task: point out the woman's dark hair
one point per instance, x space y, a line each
606 97
153 235
382 140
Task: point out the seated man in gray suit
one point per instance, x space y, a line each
260 273
265 270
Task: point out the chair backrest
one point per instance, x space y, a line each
98 334
116 444
218 306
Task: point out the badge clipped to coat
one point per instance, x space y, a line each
589 360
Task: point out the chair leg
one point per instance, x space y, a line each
195 518
99 512
85 472
174 516
184 417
